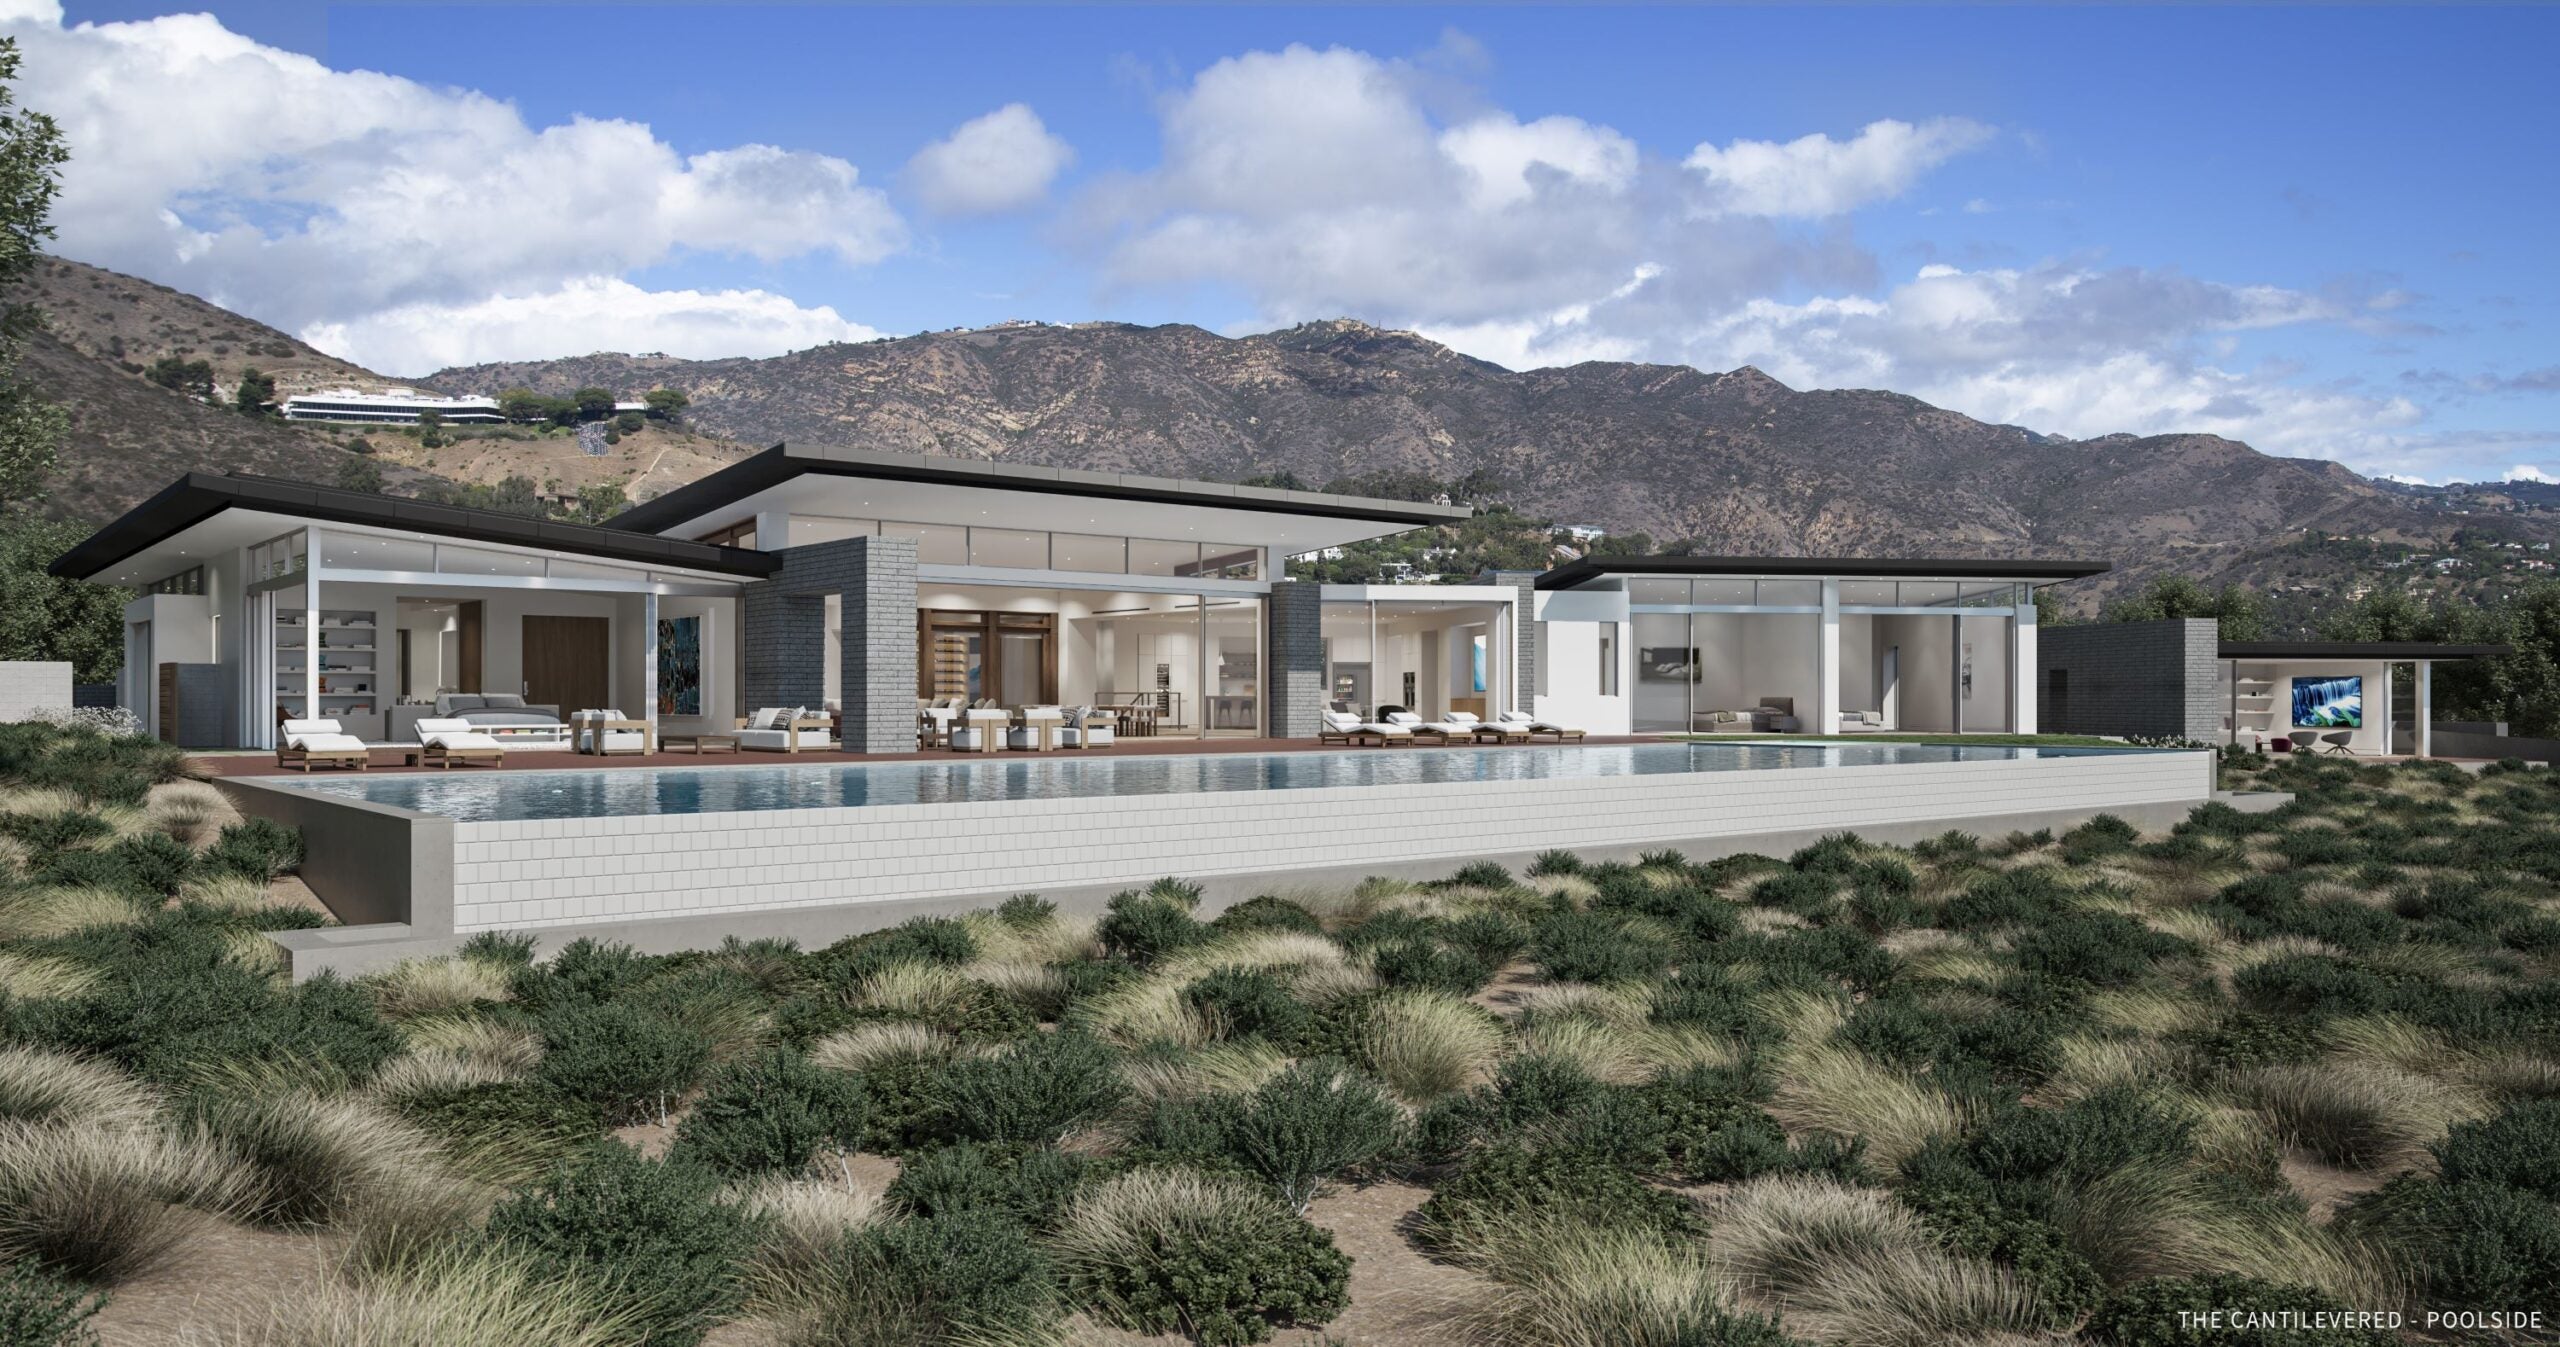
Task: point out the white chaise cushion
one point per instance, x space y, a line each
296 728
452 734
1460 718
1403 718
1516 718
1342 720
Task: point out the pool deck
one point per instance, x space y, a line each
387 760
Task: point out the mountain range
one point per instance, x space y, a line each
1731 462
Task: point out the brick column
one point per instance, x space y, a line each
784 635
1524 638
1294 686
878 654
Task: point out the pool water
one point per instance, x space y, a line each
581 793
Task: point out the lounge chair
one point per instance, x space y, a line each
786 729
1501 729
320 741
444 742
1342 727
1536 727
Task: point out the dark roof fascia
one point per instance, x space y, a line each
200 496
2384 650
1587 569
778 464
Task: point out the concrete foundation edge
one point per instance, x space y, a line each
354 949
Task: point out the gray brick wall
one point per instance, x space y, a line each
1294 686
2149 678
785 626
1525 638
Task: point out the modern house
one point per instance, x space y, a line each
860 582
2178 679
396 407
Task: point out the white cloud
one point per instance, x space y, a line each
1000 162
2526 472
1321 183
594 313
1814 176
303 195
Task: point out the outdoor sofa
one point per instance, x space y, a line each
786 729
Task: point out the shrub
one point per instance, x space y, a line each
2473 1245
2171 1312
2519 1148
625 1061
37 1310
507 1133
1033 1094
2103 836
1509 1182
1028 1186
257 849
1026 911
1586 947
1142 929
1310 1122
1556 863
1268 914
1166 1250
2103 949
2006 898
1239 1003
1427 966
651 1234
1484 875
971 1276
584 972
771 1112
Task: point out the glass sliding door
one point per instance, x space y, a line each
1233 680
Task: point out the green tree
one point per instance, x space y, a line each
191 377
2238 613
1275 481
256 392
666 403
593 404
597 504
523 405
431 430
46 617
359 473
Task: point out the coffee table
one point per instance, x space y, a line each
699 744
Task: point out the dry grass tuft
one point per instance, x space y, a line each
35 977
1220 1068
865 1046
1856 1267
2370 1117
1427 1044
512 1047
1836 1089
1035 986
43 913
418 987
444 1299
1140 1221
1565 1283
104 1205
193 812
805 1220
320 1159
230 893
52 1089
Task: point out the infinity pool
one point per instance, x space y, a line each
585 793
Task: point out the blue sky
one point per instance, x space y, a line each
2323 231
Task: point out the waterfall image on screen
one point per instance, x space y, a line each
2329 703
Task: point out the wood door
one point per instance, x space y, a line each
567 663
468 628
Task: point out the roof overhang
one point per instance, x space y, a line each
202 514
2034 572
2340 650
923 489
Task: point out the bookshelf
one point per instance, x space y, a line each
347 646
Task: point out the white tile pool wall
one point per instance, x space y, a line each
567 872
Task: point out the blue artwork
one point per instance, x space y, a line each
2328 703
1479 664
679 666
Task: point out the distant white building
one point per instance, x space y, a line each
392 407
1583 533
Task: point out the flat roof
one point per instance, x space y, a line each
709 502
1587 569
2359 650
199 496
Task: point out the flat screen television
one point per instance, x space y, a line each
2328 703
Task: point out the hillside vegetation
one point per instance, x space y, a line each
1986 1091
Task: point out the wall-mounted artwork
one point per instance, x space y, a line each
1667 664
1478 645
680 666
2328 703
